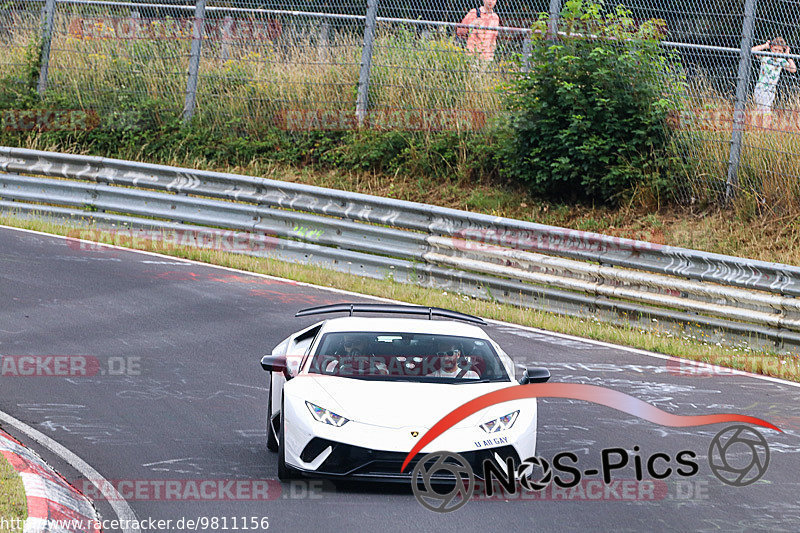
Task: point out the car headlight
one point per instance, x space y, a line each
321 414
500 424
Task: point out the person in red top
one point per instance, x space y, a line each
481 43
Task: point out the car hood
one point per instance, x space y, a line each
398 404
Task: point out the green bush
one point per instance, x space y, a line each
588 121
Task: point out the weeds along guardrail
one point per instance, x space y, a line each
689 292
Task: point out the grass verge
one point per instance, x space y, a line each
13 505
739 357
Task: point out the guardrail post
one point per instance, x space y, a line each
46 36
366 62
742 82
194 59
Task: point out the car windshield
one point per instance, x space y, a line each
407 357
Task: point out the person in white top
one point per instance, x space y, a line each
448 365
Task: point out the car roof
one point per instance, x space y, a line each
403 325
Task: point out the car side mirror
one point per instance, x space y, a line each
535 374
275 363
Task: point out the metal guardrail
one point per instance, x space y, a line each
532 265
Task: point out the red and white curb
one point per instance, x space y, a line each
53 504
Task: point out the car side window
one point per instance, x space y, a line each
303 345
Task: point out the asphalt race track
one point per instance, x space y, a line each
180 395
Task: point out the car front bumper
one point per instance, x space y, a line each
364 451
345 461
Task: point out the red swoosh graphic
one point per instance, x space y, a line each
574 391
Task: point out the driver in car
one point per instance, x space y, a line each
354 359
449 358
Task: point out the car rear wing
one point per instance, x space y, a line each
430 312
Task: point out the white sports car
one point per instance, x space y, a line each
350 396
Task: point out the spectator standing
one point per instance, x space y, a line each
481 43
770 74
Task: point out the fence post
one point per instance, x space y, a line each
48 14
5 33
554 13
227 38
136 22
742 83
366 62
526 52
324 41
194 59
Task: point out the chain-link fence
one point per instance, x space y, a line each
391 64
18 23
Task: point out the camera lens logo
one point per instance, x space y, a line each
526 481
444 469
738 456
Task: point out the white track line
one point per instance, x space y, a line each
117 502
699 364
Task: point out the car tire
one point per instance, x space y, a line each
285 473
272 441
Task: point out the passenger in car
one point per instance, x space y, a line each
451 363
